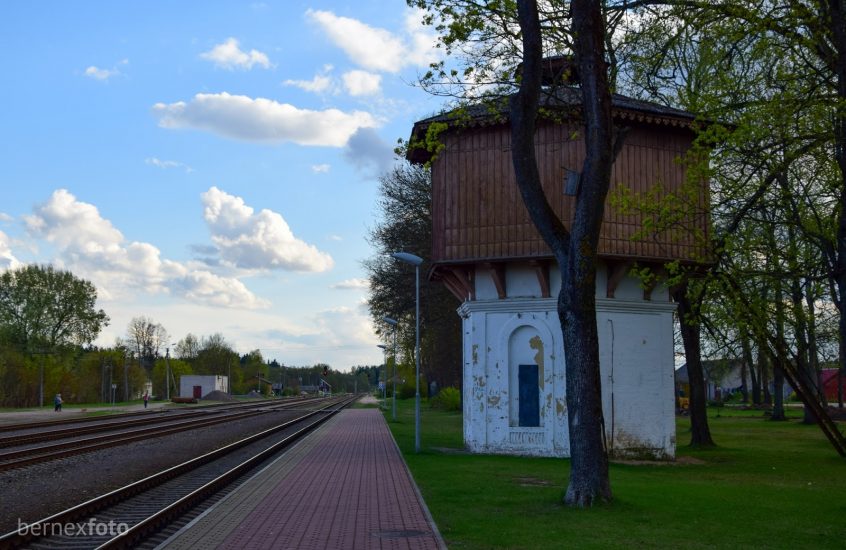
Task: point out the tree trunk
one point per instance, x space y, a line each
700 433
747 367
800 320
575 251
778 394
756 382
765 379
811 296
836 19
778 373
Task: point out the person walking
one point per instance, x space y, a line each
57 403
146 399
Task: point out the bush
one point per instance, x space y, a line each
448 399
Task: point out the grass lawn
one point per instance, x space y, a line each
767 485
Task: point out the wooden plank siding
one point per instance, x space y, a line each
478 212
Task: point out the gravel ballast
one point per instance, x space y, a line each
32 493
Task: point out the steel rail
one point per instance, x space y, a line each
118 415
116 424
15 539
45 453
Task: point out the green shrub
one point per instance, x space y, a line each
448 399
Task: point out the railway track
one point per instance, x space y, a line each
122 416
126 517
139 430
49 431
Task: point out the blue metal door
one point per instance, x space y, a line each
527 379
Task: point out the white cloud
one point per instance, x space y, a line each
229 55
320 168
165 164
261 119
343 331
378 49
262 240
345 327
100 74
207 288
96 250
359 83
320 83
422 49
7 259
352 284
104 74
5 217
336 238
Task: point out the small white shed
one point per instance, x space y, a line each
198 386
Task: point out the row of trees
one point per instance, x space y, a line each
48 321
405 224
770 74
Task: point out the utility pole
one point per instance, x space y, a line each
394 385
102 378
41 383
42 353
167 374
125 377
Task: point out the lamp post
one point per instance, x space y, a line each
167 374
385 370
125 377
415 261
393 323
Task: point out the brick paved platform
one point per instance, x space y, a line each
345 486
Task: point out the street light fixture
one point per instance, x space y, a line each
415 261
393 323
385 370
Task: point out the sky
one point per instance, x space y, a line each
214 166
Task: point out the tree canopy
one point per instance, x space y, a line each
405 224
42 307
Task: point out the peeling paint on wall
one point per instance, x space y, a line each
537 344
508 334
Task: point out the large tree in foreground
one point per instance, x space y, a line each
574 250
490 40
42 308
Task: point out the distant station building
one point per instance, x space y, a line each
199 386
489 255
